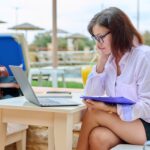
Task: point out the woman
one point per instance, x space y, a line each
123 69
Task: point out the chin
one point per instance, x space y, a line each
106 52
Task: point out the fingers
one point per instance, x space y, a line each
88 103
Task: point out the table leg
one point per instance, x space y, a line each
51 137
3 130
63 80
54 78
63 126
40 79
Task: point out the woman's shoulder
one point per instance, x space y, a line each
143 48
141 51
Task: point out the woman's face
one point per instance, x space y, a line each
103 39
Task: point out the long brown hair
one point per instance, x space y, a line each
120 26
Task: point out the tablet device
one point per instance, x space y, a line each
110 100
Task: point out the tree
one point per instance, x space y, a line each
62 43
42 39
146 37
81 44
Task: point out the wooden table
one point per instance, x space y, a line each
59 120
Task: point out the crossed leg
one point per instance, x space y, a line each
102 130
102 138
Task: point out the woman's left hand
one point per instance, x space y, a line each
100 106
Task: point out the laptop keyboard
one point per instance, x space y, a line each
59 101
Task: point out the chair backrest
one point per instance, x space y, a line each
10 52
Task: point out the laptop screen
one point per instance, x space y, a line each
24 84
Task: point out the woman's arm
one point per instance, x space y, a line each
96 79
102 59
142 108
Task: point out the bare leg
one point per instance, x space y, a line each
124 130
87 126
102 138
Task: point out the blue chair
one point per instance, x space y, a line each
10 52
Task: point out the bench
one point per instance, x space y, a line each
128 147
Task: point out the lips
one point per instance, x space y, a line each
102 49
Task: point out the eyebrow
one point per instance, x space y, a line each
100 34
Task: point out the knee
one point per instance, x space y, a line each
92 113
89 115
99 138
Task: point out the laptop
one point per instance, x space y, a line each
29 94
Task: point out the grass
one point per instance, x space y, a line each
69 84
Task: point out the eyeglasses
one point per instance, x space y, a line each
100 38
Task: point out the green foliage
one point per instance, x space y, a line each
42 39
89 43
70 84
62 43
146 37
80 44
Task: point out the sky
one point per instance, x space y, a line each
72 15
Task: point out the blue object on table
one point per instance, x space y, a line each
110 100
10 52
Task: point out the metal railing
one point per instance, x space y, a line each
65 57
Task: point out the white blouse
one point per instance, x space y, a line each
132 83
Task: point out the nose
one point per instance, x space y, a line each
98 43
